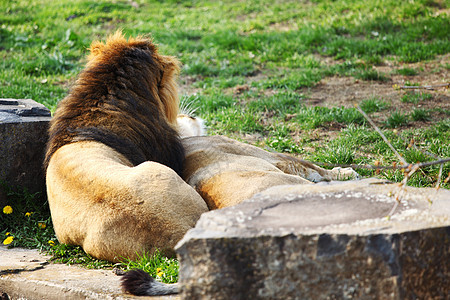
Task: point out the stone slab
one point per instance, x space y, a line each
323 241
23 107
26 274
23 137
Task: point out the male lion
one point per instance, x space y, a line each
114 154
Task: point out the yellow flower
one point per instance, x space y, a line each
159 272
8 233
28 214
51 243
7 210
42 225
8 240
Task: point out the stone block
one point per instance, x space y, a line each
323 241
23 136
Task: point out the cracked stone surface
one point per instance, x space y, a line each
23 136
323 241
26 274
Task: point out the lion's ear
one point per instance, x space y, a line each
96 48
171 63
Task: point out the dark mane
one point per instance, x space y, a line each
116 101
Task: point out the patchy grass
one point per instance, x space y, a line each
373 105
25 220
407 71
158 266
420 115
371 75
416 97
396 119
283 74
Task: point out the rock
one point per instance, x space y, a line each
26 274
323 241
24 107
23 136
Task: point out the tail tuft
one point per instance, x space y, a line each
140 283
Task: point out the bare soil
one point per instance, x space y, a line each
339 91
346 91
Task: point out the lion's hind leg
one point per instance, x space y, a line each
114 210
294 166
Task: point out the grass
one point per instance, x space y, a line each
420 115
396 119
415 98
373 105
407 71
158 266
371 75
250 69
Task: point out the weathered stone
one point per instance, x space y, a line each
23 135
323 241
24 107
26 274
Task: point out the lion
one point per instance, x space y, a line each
121 180
114 156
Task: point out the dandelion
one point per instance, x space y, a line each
7 210
8 233
8 240
42 225
28 214
159 272
51 243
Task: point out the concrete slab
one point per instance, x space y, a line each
27 274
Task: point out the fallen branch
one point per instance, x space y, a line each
412 144
406 166
425 87
381 134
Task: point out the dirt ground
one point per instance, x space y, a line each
346 91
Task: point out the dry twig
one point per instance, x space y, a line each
409 169
425 87
381 134
393 167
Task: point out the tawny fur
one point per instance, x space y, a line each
114 154
225 172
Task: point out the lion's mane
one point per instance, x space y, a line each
125 98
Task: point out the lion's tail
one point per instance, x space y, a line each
140 283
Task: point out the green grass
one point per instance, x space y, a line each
281 51
420 115
25 220
396 119
407 71
371 75
415 98
158 266
373 105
